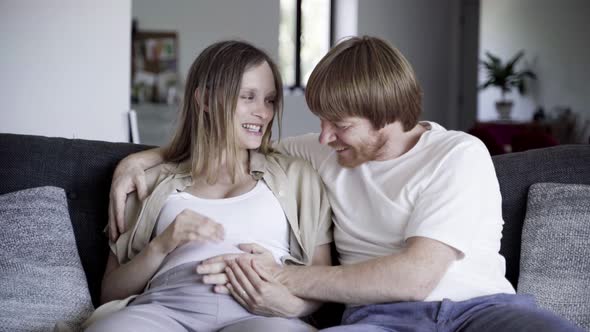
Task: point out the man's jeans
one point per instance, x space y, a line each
499 312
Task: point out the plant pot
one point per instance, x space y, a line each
504 109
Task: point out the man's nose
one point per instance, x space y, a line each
327 135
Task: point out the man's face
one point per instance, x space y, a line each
354 139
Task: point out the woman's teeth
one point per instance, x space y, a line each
252 127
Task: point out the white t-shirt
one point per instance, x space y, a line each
253 217
445 188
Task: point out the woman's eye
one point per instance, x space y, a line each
270 101
248 97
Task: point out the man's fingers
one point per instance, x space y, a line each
240 277
253 277
236 285
141 186
215 279
262 273
252 248
211 268
112 225
119 200
237 295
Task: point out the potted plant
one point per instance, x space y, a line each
505 77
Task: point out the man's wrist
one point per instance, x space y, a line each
282 276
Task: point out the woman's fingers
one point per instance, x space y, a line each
210 230
221 258
252 248
211 268
221 289
215 279
201 225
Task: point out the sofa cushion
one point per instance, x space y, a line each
41 277
555 255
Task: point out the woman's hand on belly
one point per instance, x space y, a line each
188 226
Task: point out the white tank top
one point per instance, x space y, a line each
253 217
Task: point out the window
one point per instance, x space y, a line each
305 36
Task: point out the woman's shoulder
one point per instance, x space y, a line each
287 162
159 173
298 172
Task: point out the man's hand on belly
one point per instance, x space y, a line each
214 268
248 279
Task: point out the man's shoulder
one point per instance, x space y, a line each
449 141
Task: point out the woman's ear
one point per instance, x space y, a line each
205 106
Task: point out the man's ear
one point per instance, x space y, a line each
205 106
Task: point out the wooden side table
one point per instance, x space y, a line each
507 136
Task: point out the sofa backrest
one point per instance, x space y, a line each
517 172
84 169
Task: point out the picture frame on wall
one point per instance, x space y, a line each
154 67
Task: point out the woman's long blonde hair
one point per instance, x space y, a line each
214 81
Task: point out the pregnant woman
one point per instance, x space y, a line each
219 165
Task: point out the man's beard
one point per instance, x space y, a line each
362 153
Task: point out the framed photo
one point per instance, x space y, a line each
154 67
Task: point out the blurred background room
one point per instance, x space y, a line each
513 73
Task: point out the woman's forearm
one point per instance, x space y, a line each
132 277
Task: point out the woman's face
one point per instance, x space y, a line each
255 107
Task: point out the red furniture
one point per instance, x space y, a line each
503 136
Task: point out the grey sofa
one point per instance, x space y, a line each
84 169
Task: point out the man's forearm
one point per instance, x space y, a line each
148 158
408 276
357 284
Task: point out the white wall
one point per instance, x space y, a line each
201 23
65 68
426 32
555 36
